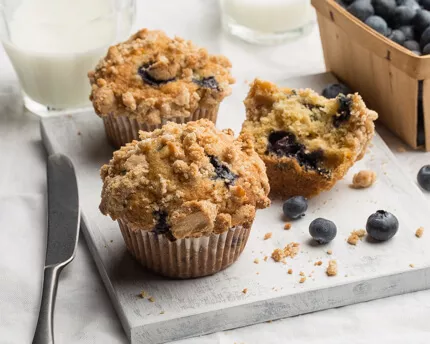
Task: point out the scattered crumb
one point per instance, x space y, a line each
256 261
332 268
356 236
267 235
79 133
151 299
111 241
412 265
401 149
290 250
329 252
284 261
257 273
302 279
318 263
265 258
245 290
419 233
143 294
162 312
269 322
287 226
363 179
290 271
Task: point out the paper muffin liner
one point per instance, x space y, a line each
122 129
185 258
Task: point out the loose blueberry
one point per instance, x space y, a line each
323 231
402 15
382 225
397 36
362 9
295 207
409 32
412 45
222 171
423 177
421 21
384 8
378 24
333 90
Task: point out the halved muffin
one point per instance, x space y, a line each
307 142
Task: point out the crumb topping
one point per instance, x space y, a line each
151 77
419 233
168 182
363 179
332 268
356 236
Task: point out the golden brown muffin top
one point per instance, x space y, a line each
319 132
187 180
151 77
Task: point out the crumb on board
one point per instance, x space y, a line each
111 241
287 226
301 273
267 235
290 250
151 299
143 294
302 279
265 258
330 252
412 265
363 179
256 261
257 273
245 290
318 263
79 133
356 236
162 312
401 149
332 268
419 233
290 271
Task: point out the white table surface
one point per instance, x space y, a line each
83 310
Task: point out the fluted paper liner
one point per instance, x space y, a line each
122 129
185 258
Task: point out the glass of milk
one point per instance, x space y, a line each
52 45
267 21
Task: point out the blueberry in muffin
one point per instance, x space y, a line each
150 79
185 184
308 142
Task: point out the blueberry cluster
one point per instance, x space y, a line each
406 22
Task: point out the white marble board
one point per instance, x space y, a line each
195 307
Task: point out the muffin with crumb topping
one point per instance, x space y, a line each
151 79
185 197
307 142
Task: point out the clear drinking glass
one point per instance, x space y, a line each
267 21
52 45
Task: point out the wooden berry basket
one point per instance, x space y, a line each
386 74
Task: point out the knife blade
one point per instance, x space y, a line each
63 233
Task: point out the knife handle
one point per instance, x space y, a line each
44 330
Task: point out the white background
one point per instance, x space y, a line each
83 311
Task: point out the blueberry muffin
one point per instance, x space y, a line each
307 142
151 79
185 197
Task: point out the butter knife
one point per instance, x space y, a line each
63 231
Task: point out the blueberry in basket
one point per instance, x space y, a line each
382 225
421 21
384 8
295 207
362 9
397 36
322 230
378 24
333 90
423 177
